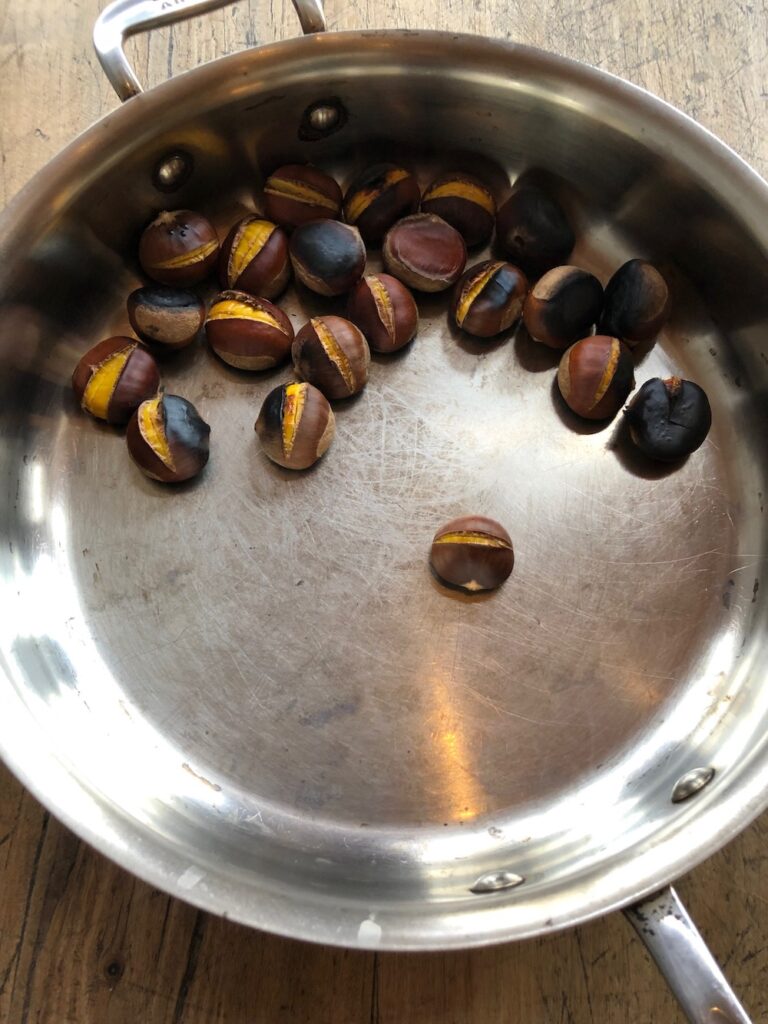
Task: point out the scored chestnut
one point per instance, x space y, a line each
385 311
563 306
425 252
328 256
167 439
489 298
254 258
533 231
179 247
472 552
464 203
295 425
114 377
296 193
332 354
167 317
246 332
669 419
378 197
636 303
595 376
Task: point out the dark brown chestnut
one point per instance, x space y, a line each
563 306
249 333
167 439
595 376
489 298
378 197
296 425
385 311
464 203
114 377
297 193
166 317
332 354
424 252
254 258
669 419
328 256
179 248
533 231
472 552
636 303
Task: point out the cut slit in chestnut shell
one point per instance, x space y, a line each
168 439
473 553
113 378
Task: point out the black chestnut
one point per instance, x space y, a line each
636 303
669 419
533 231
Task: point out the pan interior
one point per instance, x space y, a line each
257 672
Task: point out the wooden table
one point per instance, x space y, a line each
82 942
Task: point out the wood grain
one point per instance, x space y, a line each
83 942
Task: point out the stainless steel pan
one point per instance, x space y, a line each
250 691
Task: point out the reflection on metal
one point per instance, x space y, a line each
496 881
173 171
690 783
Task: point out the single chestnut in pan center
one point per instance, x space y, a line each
472 552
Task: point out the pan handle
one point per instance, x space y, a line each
124 18
672 939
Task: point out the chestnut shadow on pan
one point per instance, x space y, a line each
459 593
178 358
478 346
532 355
575 423
166 491
635 461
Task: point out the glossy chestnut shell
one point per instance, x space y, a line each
333 355
297 193
167 439
385 311
669 419
424 252
328 256
533 230
378 197
248 332
114 377
489 298
295 425
464 203
595 376
254 258
636 303
563 306
179 248
472 552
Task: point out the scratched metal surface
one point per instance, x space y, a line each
250 689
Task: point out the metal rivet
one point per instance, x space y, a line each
691 783
172 171
324 117
494 881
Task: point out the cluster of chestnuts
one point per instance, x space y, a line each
314 232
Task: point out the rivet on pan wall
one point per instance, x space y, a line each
691 783
494 881
322 118
172 171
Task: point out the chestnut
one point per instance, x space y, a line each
180 248
489 298
328 256
669 419
167 317
333 355
636 303
167 439
425 252
378 197
595 376
464 203
295 425
385 311
533 231
114 377
247 332
563 306
297 193
254 258
472 552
